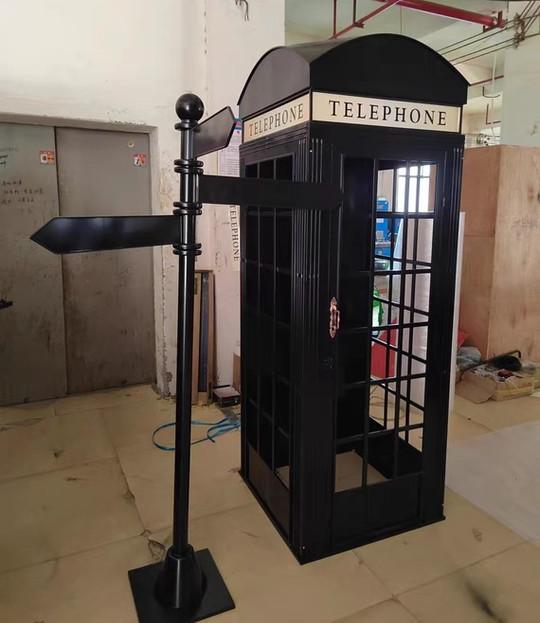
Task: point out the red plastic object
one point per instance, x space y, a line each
378 357
461 337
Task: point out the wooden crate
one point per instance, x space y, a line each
500 293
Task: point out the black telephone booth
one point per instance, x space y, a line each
347 312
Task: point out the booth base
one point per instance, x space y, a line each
216 599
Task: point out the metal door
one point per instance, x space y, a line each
108 296
32 347
394 289
382 362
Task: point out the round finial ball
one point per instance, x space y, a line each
189 107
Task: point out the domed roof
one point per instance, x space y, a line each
384 65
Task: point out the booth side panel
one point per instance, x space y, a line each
440 343
269 383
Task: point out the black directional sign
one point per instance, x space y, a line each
102 233
105 233
214 133
268 193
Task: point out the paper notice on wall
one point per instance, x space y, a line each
139 160
229 164
47 156
229 158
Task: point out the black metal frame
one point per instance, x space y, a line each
315 521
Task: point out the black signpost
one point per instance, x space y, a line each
187 585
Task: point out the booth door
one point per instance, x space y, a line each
385 290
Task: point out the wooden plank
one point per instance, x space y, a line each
480 189
476 285
203 341
515 301
211 334
500 297
236 373
479 202
196 338
206 384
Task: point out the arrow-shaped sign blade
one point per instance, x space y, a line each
105 233
214 133
268 193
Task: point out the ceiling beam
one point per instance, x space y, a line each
434 8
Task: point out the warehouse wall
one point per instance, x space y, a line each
121 65
232 51
521 111
108 64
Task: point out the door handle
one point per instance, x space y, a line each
4 304
334 317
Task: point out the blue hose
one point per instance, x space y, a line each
215 430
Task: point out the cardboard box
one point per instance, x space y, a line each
480 388
515 387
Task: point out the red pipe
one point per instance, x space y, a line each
360 22
434 8
387 5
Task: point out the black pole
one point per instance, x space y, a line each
187 585
190 109
181 582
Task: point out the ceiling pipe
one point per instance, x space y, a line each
433 8
359 23
475 84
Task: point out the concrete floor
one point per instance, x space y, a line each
85 497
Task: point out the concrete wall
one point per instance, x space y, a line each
121 65
521 110
234 45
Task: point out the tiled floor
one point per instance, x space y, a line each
85 497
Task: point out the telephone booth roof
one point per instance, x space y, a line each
383 65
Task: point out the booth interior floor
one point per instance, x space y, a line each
85 497
349 467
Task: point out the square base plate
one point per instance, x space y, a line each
216 599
